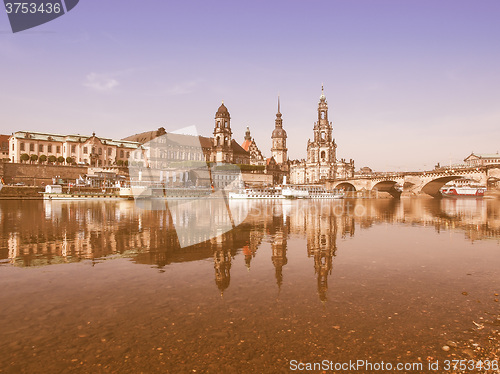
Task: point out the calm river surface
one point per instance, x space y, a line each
105 286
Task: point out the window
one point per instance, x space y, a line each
93 150
128 154
22 146
40 148
110 151
100 151
121 153
85 150
73 149
49 148
58 149
32 147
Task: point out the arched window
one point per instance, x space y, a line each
322 154
323 136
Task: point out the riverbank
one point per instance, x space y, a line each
21 193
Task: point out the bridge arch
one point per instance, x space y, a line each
387 186
432 188
384 185
346 186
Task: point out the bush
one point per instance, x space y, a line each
52 158
119 162
33 158
60 159
42 158
69 160
25 157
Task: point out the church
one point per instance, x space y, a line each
321 163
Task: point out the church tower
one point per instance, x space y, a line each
223 151
321 151
279 150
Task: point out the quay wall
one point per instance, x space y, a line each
36 174
20 192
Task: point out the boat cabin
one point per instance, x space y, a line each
53 188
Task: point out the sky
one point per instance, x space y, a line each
408 83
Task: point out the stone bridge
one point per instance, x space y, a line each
427 182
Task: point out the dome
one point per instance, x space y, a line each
279 133
222 111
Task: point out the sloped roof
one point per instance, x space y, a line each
270 160
237 148
4 138
246 145
483 156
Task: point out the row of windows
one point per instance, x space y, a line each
50 148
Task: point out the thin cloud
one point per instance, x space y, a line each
100 82
182 88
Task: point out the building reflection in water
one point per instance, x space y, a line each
36 233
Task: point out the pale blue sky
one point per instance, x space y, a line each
409 83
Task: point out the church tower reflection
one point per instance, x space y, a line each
322 246
279 247
222 266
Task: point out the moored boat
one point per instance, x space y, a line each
463 191
55 192
310 192
257 193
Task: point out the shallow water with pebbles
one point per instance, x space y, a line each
105 287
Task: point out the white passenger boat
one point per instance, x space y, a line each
55 192
286 192
258 193
310 192
463 191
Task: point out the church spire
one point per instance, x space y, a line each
322 97
279 104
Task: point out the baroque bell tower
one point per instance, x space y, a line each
321 151
279 150
223 151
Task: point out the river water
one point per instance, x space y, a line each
95 286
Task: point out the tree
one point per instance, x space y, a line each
119 162
42 158
69 160
25 157
52 158
60 159
33 158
